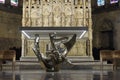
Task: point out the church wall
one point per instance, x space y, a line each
10 36
106 21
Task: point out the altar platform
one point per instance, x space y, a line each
77 64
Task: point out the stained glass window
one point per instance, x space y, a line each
14 2
100 2
2 1
113 1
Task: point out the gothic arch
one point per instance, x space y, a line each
106 34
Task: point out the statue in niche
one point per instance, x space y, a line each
57 16
68 13
87 3
69 1
87 17
57 20
27 23
79 17
33 16
46 13
34 13
26 3
80 22
33 2
38 2
63 19
54 1
68 21
45 1
39 14
26 15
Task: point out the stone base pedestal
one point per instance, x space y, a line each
71 58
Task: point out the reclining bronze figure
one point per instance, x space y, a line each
60 46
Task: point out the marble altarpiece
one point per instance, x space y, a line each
58 13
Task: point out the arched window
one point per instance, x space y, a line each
100 2
14 2
2 1
113 1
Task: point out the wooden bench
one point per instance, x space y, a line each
112 55
116 56
8 55
105 55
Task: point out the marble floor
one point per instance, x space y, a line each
61 75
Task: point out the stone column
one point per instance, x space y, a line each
90 27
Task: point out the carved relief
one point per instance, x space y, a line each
46 13
29 46
39 14
78 48
79 19
80 2
68 14
56 13
26 14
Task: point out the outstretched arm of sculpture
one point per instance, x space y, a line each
42 59
67 41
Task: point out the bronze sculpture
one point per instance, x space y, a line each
60 46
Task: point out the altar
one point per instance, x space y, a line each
61 41
61 17
44 32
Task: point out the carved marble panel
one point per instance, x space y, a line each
58 13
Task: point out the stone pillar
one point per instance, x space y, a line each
23 46
90 26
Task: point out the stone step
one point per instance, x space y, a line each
72 58
29 58
73 66
35 65
77 62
